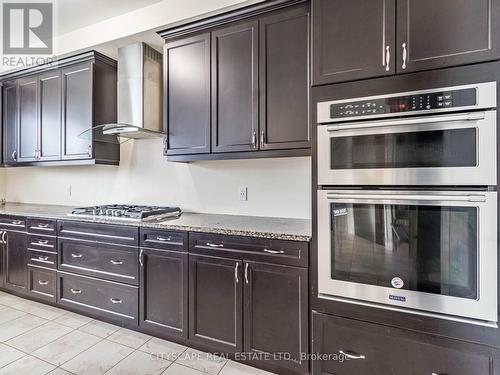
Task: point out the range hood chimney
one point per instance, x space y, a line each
139 93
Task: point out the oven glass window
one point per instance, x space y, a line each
439 148
429 249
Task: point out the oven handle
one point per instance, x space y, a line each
412 121
410 197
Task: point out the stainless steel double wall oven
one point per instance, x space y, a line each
407 201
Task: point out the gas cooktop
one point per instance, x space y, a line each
127 212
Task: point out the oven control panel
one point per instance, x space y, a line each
406 103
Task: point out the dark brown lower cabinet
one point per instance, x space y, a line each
346 347
276 313
15 261
42 283
163 292
216 302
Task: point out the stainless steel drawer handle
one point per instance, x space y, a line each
76 255
43 282
116 262
43 259
163 239
43 242
17 222
43 225
209 244
274 251
76 291
351 355
115 300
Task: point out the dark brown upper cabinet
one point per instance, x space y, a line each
164 292
435 34
50 112
259 84
353 39
215 302
77 111
28 119
235 88
10 111
187 95
49 131
284 79
275 297
359 39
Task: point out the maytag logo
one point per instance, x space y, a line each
397 298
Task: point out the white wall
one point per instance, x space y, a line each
276 187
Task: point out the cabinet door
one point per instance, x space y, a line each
77 116
49 142
353 39
215 302
444 33
284 79
10 122
187 95
163 292
15 268
28 119
235 89
276 297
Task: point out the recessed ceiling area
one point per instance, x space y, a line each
75 14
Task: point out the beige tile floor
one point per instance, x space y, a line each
37 339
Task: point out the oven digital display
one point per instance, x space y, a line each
406 103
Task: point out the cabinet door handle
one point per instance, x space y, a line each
405 55
14 155
76 255
76 291
4 237
43 225
387 58
236 273
116 262
43 282
42 258
115 300
1 237
209 244
262 138
17 222
351 355
254 139
163 239
274 251
141 258
246 273
43 242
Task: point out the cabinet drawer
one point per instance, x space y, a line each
109 233
42 259
347 347
164 240
104 298
13 223
291 253
42 243
42 283
41 226
111 262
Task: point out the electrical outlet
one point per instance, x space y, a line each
242 193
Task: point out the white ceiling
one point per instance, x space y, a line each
75 14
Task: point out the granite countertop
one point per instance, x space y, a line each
236 225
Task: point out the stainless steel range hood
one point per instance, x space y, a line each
139 93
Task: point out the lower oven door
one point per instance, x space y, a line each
451 149
429 251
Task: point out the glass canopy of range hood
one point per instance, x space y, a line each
113 133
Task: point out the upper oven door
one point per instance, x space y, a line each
446 149
427 250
